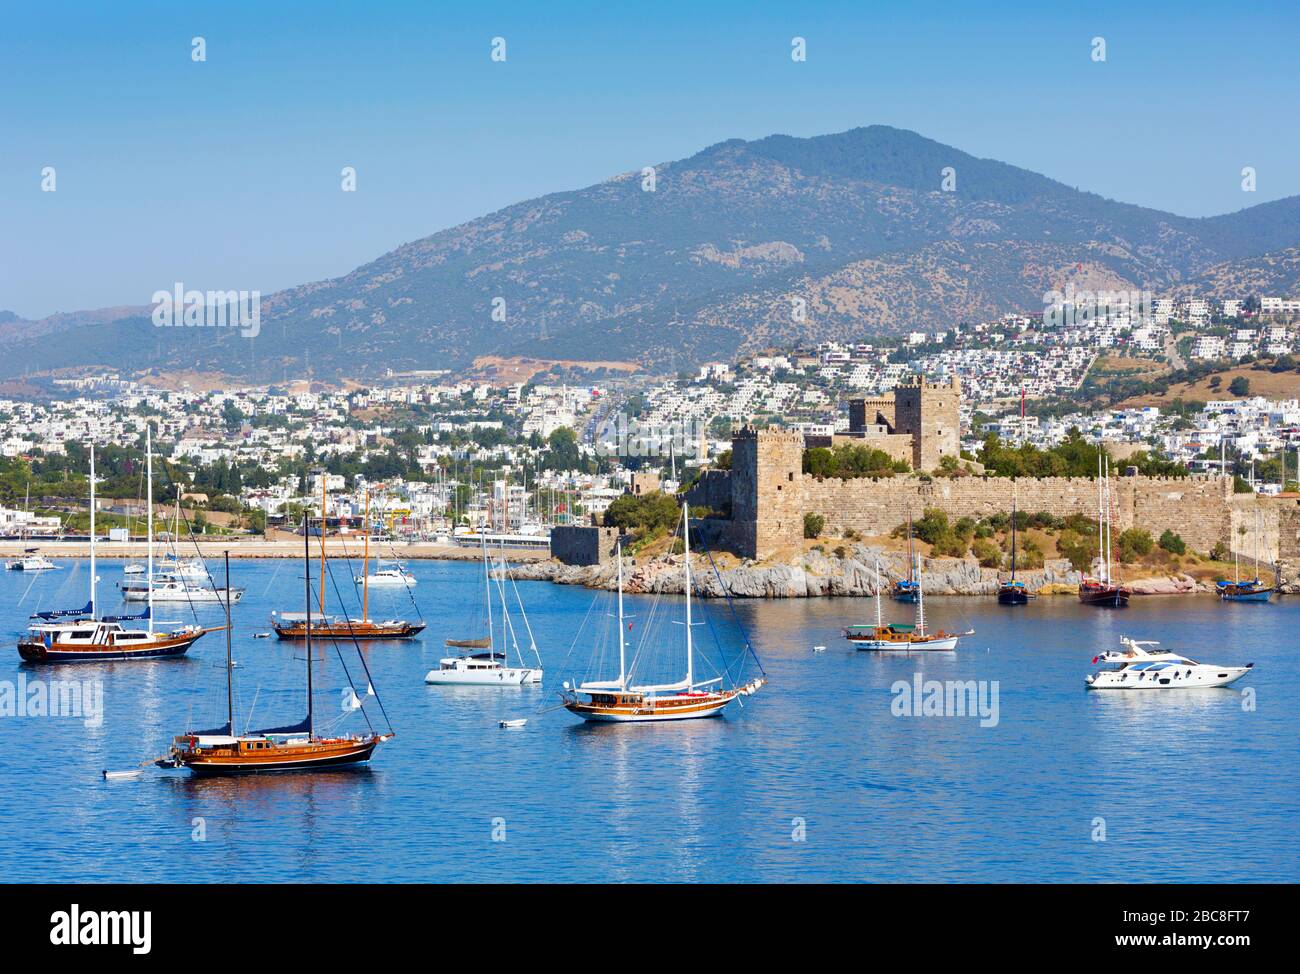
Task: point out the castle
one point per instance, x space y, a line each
765 494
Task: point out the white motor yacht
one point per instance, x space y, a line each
390 576
482 669
1138 667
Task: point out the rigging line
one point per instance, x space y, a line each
726 589
360 655
532 643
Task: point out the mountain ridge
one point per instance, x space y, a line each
709 264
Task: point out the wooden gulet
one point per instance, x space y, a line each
901 637
221 752
86 636
615 701
291 626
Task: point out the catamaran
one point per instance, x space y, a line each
491 668
81 635
1012 591
621 701
902 637
395 575
295 625
1103 590
296 747
1140 668
1253 590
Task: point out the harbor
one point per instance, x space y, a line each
822 751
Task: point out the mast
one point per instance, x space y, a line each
920 606
148 445
911 550
323 498
94 614
487 594
230 688
306 583
1013 540
622 650
365 564
1101 519
507 631
686 544
879 621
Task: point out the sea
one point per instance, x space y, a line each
845 767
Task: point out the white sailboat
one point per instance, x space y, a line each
492 667
901 637
620 701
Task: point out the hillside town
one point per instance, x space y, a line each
439 454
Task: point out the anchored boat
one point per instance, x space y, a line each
491 668
1252 590
300 626
296 747
1012 591
1139 668
902 637
81 635
621 701
1103 590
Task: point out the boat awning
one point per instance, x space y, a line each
214 740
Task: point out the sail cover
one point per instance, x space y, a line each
65 613
484 643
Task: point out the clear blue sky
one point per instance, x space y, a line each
225 174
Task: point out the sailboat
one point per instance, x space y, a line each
1013 592
81 635
294 625
904 637
491 668
31 561
1253 590
621 702
296 747
1104 590
907 589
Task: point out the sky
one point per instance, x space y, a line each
226 173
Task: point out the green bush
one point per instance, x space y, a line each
1173 543
1079 549
989 554
813 524
1134 544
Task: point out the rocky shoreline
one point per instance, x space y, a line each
817 574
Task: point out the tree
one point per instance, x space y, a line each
1240 386
1134 544
813 525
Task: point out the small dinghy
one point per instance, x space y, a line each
519 722
121 775
819 649
261 635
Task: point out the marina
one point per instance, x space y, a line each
884 798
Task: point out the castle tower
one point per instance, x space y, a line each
766 491
928 412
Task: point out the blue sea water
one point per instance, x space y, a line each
815 779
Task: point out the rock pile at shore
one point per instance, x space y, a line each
819 573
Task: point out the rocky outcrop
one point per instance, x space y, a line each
816 574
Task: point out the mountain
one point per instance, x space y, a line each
709 263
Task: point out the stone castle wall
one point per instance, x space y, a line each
770 494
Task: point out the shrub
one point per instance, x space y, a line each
813 524
1079 549
1029 555
989 554
1173 543
1220 551
950 545
1240 386
1134 544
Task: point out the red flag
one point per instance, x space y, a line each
1095 658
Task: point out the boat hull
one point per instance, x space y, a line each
34 651
326 759
648 715
356 630
945 644
1262 595
1012 596
504 677
1104 596
1202 677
